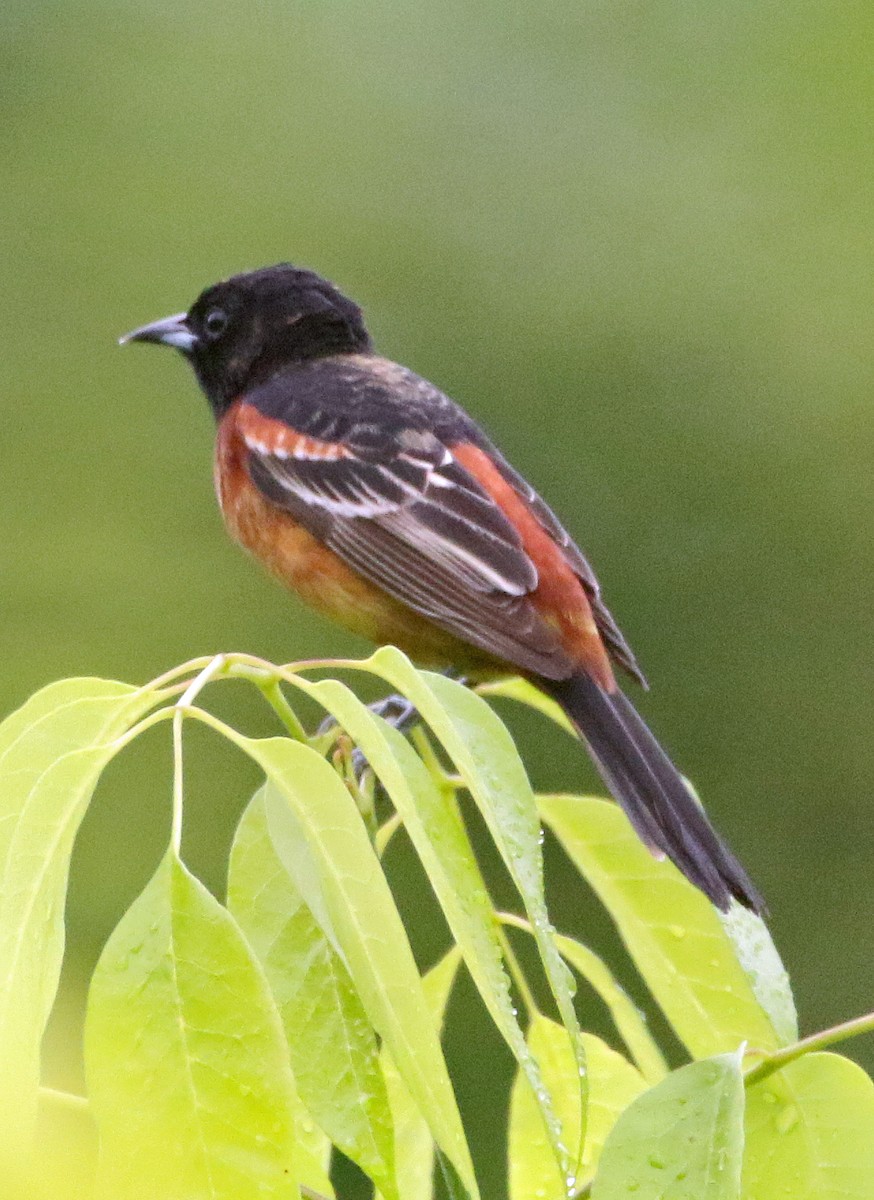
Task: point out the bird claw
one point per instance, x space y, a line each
395 709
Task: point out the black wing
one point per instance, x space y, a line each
619 649
401 511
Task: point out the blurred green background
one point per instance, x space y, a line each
635 239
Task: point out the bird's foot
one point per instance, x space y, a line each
397 710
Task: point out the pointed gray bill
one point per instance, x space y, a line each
171 331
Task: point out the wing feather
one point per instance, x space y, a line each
420 527
620 651
508 627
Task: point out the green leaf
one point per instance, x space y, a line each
526 693
312 1154
681 1140
485 756
321 840
437 832
629 1023
52 751
414 1146
65 1167
810 1132
763 967
334 1055
613 1084
672 931
185 1054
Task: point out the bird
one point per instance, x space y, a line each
380 502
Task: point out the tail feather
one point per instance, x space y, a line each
647 785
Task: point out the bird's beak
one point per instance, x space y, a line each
172 331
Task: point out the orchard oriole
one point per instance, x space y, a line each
382 504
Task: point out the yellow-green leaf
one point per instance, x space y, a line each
437 832
629 1022
65 1167
52 751
483 751
321 840
681 1140
810 1132
186 1058
523 692
673 933
613 1084
414 1146
333 1049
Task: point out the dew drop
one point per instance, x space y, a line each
788 1119
678 931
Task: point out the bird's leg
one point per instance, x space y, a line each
397 710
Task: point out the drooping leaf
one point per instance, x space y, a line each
414 1146
613 1084
52 751
186 1058
672 931
486 758
681 1140
438 834
321 840
629 1023
334 1054
810 1132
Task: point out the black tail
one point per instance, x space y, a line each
651 791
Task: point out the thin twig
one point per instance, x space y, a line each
181 706
815 1041
271 690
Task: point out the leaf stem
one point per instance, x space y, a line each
154 718
386 832
516 971
187 668
180 708
271 690
815 1041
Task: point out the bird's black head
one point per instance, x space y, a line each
242 331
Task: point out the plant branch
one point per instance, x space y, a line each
386 832
271 690
815 1041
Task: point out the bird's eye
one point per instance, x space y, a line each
215 322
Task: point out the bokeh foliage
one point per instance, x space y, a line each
634 239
